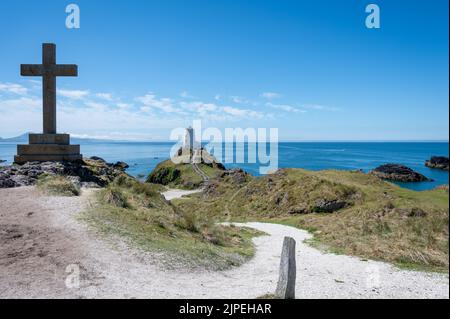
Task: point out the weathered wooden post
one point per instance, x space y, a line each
288 270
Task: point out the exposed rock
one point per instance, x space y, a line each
439 162
399 173
299 210
2 161
121 165
237 175
328 206
96 158
87 172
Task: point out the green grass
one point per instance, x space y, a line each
138 213
381 220
57 185
180 175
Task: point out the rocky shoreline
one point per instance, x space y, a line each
89 172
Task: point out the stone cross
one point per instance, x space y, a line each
49 70
288 271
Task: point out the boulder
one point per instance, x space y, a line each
328 206
121 165
236 175
439 162
96 158
398 173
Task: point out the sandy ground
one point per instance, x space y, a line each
42 245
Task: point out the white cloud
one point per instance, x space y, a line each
239 99
104 96
217 97
163 104
13 88
241 113
270 95
319 107
73 94
21 103
199 107
285 107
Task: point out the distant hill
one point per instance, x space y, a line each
73 140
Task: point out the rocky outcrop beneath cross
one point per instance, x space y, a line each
89 172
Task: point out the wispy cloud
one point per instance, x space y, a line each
319 107
101 114
239 99
241 113
150 101
13 88
105 96
285 107
73 94
271 95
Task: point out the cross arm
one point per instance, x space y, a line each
65 70
31 69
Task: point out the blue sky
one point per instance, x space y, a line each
310 68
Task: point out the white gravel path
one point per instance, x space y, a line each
41 237
178 193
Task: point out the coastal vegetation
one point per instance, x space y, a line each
181 175
139 213
348 212
58 185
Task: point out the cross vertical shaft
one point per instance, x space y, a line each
49 89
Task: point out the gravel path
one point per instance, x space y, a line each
178 193
41 243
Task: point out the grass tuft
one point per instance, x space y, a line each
57 185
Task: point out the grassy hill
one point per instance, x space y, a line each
138 213
181 175
348 212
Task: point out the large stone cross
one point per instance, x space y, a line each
48 146
49 70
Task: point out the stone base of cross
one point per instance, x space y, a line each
48 146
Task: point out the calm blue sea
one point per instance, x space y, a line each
143 157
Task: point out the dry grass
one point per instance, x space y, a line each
380 221
139 213
57 185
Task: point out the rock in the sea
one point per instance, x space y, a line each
84 172
439 162
398 173
2 161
